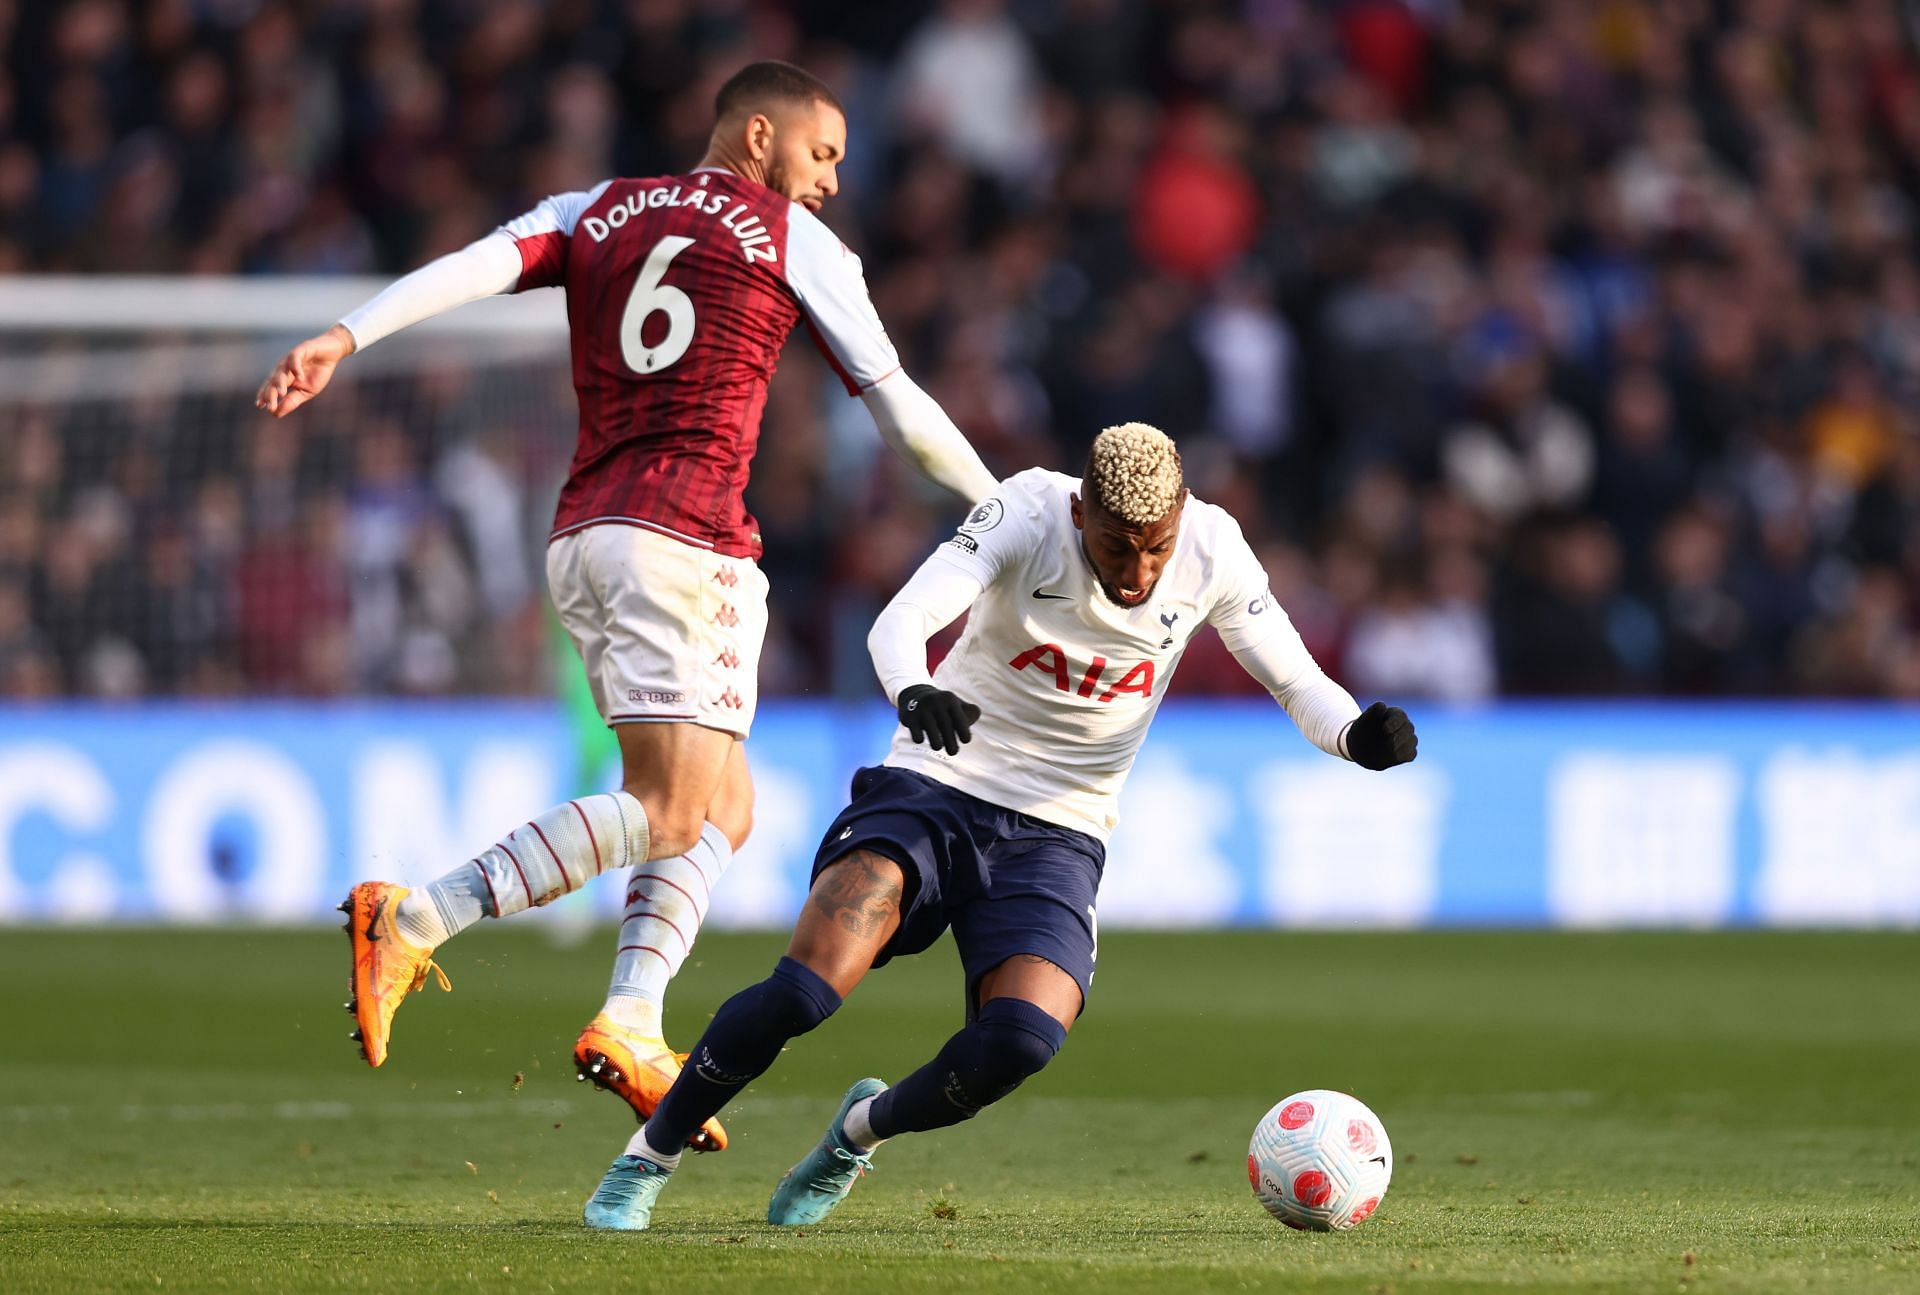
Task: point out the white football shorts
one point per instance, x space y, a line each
669 632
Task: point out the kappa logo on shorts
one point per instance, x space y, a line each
728 658
726 617
726 576
656 695
730 698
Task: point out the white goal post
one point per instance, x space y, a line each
143 497
218 331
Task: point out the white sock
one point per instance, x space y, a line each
432 914
856 1128
666 902
558 852
641 1015
562 850
637 1145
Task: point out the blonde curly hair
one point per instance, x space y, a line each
1133 472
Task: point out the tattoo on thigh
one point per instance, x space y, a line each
859 893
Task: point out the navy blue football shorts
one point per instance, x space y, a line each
1007 883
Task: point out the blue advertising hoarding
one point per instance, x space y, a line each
1604 814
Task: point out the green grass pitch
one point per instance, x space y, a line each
182 1110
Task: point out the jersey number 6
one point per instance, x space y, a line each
649 295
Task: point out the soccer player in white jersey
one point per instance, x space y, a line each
992 810
681 292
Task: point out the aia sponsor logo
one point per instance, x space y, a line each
655 696
1361 1138
1296 1115
1051 659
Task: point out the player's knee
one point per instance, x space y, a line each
672 826
735 823
732 810
1012 1041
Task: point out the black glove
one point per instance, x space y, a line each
937 717
1381 738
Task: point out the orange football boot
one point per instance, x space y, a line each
386 966
637 1069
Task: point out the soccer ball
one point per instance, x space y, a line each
1320 1160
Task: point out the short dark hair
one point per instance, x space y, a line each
757 86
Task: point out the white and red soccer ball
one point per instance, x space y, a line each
1320 1160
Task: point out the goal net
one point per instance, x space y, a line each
159 536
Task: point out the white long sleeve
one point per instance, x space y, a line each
915 427
1320 707
482 268
929 602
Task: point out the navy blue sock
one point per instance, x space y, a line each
742 1040
1010 1041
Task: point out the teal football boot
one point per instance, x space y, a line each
623 1202
822 1180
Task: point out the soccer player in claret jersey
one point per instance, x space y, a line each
681 291
991 812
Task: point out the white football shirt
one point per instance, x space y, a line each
1067 680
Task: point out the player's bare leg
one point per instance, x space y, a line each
662 808
851 913
623 1049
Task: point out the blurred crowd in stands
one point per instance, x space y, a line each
1540 346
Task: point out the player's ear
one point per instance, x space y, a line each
1079 518
759 136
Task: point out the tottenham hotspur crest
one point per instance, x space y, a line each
1168 621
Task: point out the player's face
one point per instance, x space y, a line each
1127 560
809 143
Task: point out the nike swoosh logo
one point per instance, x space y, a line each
373 934
1062 597
1380 1160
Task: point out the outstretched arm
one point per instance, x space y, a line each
915 427
1379 738
481 269
1284 667
832 290
526 252
1263 640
